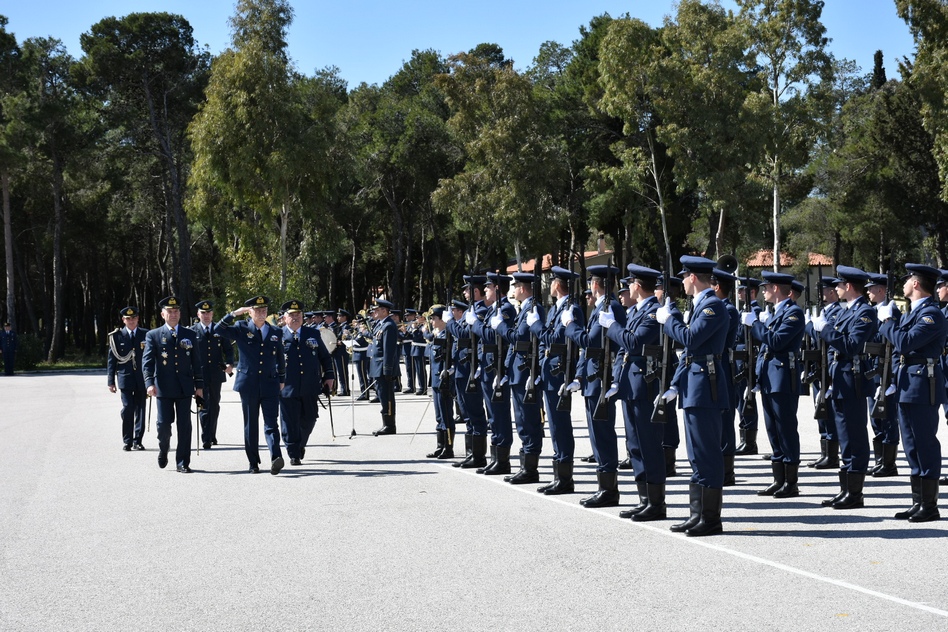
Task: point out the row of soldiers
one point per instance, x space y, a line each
497 366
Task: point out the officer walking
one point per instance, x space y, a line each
173 373
217 357
124 366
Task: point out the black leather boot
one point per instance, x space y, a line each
694 504
508 478
729 477
656 509
468 449
916 482
742 442
626 463
780 478
448 451
563 484
791 476
501 464
843 488
710 522
853 498
608 494
493 459
437 453
750 443
529 472
822 456
831 460
888 467
388 426
929 509
670 463
556 476
877 453
642 488
478 453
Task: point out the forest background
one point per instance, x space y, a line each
149 167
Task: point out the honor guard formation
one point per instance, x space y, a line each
508 357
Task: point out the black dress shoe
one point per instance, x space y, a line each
137 446
303 452
407 391
276 465
207 445
127 447
362 398
295 461
184 469
589 459
384 430
421 392
374 400
214 441
162 459
254 469
626 464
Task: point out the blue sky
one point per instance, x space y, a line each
368 40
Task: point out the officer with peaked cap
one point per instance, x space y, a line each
723 283
470 396
261 371
173 373
885 440
620 377
829 438
671 438
701 392
439 355
126 346
919 340
748 415
217 358
638 397
778 376
309 372
383 356
341 356
602 424
847 339
555 363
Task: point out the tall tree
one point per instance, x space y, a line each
9 75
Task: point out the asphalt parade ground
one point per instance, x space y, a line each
369 535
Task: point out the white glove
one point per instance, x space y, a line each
495 320
764 316
477 373
500 381
662 314
606 319
447 316
884 311
612 391
686 316
567 317
891 390
670 395
469 317
819 323
807 318
532 317
747 318
574 386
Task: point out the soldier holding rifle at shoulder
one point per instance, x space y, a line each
467 372
883 419
748 424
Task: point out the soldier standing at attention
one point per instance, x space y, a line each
8 345
383 355
217 356
261 370
173 374
126 346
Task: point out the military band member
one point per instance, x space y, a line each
441 383
217 358
602 431
516 337
338 354
778 376
919 339
848 366
554 364
126 346
383 354
748 425
173 374
701 392
885 439
341 358
309 372
639 392
261 371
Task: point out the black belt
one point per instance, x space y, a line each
594 353
464 343
523 347
555 349
911 359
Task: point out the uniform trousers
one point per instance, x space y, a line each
780 419
919 424
703 441
561 428
175 412
528 419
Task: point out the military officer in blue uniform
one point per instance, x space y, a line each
885 440
592 339
919 340
748 424
699 387
620 377
342 358
384 354
173 374
309 372
417 351
217 356
829 438
8 345
360 358
671 438
261 371
639 391
517 339
847 339
126 346
723 283
467 373
439 356
778 376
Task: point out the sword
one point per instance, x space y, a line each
427 406
149 413
332 427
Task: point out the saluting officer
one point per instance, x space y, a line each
173 373
701 392
217 357
261 371
309 371
602 431
848 366
383 355
126 346
919 340
778 377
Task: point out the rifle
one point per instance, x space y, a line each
822 412
750 366
879 407
600 413
666 356
530 394
471 386
810 353
565 402
500 363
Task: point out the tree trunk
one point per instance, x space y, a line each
59 313
719 237
8 247
776 174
